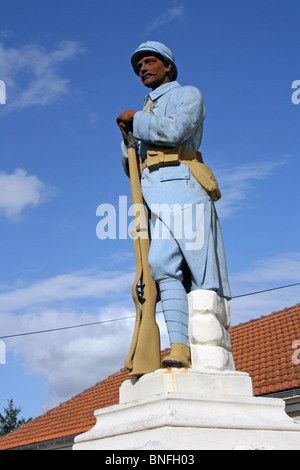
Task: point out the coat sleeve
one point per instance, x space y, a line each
187 115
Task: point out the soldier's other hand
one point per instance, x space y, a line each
124 132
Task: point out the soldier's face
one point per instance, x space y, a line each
153 71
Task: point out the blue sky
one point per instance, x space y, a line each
66 66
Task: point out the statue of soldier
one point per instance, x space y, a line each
172 121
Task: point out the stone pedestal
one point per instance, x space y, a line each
208 407
185 409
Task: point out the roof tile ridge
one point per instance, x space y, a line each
293 309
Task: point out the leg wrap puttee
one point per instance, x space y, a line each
175 306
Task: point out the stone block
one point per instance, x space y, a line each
205 329
187 381
211 357
207 301
210 341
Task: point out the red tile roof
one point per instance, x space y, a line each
261 347
72 417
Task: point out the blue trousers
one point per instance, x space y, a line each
165 262
175 265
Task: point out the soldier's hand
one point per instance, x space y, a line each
127 118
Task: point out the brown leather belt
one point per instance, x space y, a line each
158 157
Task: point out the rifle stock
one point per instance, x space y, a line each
144 353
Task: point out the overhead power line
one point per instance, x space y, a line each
132 316
266 290
67 327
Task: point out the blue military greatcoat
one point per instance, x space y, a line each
173 115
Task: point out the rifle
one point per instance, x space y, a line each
144 353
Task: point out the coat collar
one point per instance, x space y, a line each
161 90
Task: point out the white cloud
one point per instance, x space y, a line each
31 75
6 33
70 360
165 18
72 286
282 269
236 183
19 190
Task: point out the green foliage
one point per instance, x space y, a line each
9 420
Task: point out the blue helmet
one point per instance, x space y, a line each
158 48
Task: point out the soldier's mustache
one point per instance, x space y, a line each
148 73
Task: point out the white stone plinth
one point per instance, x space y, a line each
209 320
197 410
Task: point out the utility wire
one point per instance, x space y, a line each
266 290
132 316
66 327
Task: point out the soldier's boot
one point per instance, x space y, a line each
180 356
